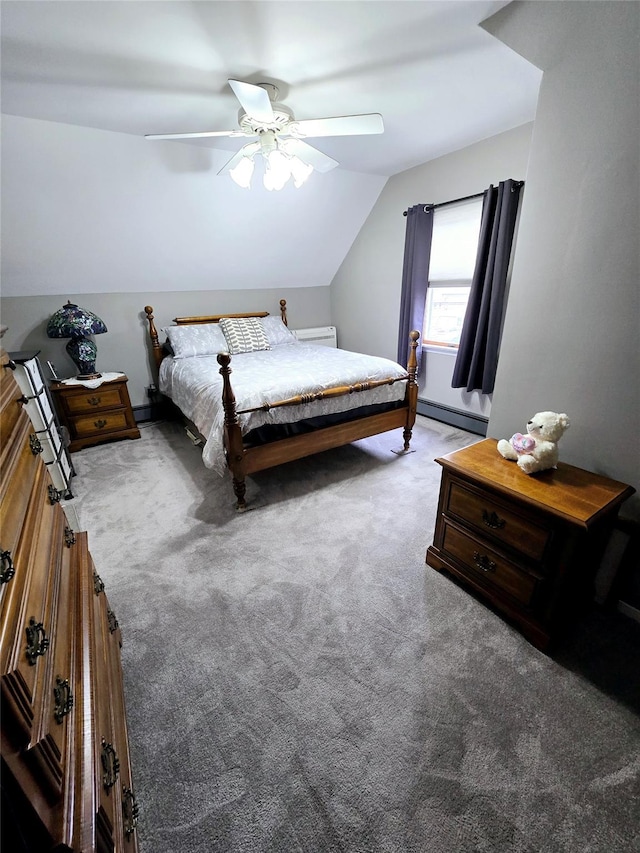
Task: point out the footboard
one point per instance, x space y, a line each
243 461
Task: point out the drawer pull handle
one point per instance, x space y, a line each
113 622
483 562
5 561
130 811
54 494
98 583
35 444
94 401
100 423
37 641
493 520
69 537
110 765
64 699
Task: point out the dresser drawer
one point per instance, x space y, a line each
54 705
494 519
28 639
108 750
486 565
107 397
17 477
99 423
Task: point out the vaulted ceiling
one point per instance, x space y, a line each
439 80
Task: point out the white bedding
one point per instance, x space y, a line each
195 386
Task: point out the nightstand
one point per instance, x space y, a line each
528 544
93 416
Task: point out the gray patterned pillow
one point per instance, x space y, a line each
244 334
199 339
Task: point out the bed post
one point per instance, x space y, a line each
232 433
412 387
283 311
153 332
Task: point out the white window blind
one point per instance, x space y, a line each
454 246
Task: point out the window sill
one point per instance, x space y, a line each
441 348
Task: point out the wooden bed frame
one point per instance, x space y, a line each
243 461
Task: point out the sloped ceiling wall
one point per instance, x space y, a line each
92 211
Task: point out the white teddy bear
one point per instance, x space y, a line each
538 450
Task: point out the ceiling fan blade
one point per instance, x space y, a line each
254 100
199 135
340 126
309 155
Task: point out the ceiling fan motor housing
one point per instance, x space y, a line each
282 118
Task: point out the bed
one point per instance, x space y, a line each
288 399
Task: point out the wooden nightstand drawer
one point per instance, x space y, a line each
488 516
93 415
487 566
528 544
98 423
92 401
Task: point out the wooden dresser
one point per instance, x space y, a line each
94 416
66 776
529 544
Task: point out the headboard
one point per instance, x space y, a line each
158 348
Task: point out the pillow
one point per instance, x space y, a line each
277 332
199 339
244 334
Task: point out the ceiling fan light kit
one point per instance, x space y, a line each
280 138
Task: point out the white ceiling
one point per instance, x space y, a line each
160 66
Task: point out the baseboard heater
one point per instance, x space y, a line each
325 336
454 417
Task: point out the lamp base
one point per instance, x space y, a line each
82 352
84 376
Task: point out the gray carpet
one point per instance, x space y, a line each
298 680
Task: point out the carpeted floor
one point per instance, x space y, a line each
298 680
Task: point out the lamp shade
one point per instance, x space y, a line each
76 323
71 321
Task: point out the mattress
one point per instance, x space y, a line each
195 386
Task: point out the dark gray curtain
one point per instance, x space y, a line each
415 277
477 360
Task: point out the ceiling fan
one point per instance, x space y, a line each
280 138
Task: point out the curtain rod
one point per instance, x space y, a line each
455 200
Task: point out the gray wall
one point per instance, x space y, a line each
126 346
365 293
571 335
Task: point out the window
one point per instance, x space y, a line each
454 246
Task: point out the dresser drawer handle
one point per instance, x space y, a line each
483 562
37 641
110 764
493 520
8 570
69 537
112 621
94 401
100 423
63 697
35 444
98 583
55 495
130 811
